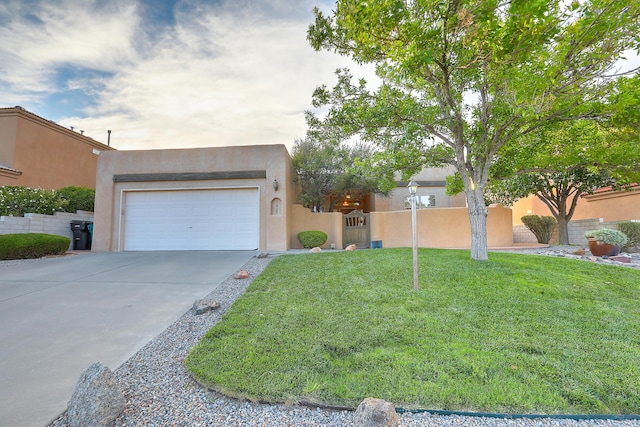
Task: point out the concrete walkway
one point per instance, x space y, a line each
60 315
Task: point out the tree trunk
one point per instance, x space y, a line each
478 219
563 229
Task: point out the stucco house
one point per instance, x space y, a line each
38 153
243 198
220 198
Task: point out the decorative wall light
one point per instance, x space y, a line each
275 184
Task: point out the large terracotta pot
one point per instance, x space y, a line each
599 248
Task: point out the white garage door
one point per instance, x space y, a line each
221 219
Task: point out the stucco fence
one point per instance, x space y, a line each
59 223
577 228
436 227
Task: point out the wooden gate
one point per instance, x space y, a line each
356 229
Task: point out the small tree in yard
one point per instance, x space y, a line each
326 170
561 162
463 79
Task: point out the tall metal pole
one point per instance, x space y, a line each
413 187
415 242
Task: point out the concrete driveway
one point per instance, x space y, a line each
60 315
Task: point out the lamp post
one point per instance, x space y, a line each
413 188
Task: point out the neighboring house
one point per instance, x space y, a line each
606 203
38 153
603 209
431 193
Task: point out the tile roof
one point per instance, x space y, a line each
610 189
9 169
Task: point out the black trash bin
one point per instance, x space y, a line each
81 235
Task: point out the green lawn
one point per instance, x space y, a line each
517 334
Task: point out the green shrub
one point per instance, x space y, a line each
632 231
608 236
17 201
541 226
78 198
32 245
312 238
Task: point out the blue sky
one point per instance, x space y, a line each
165 73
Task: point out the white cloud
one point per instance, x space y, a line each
65 33
230 72
219 77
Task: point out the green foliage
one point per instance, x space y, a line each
312 238
78 198
454 184
608 236
16 201
541 226
328 169
462 80
632 231
559 162
521 334
32 245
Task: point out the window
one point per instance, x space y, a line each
422 202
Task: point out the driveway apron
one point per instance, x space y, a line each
60 315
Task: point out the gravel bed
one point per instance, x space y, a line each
573 252
159 391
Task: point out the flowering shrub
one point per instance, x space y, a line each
16 201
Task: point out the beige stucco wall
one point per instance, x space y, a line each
302 219
272 158
48 155
395 200
610 206
440 228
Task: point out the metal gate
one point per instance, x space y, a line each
356 229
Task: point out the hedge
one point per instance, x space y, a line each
541 226
32 245
632 230
312 238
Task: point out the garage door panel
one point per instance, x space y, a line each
221 219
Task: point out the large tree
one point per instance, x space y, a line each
461 79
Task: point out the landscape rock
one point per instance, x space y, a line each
579 252
96 400
262 255
242 274
351 247
204 306
621 258
374 412
315 250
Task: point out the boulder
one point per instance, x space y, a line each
242 274
375 413
262 255
96 400
315 250
204 306
351 247
621 258
579 252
